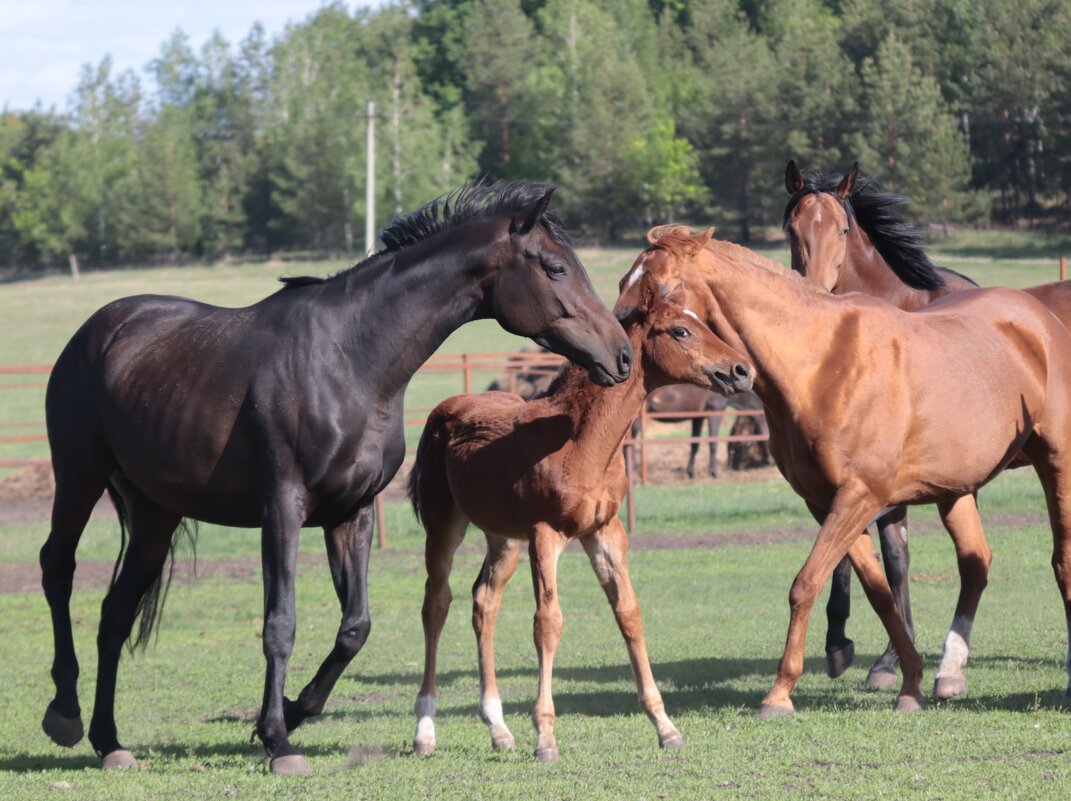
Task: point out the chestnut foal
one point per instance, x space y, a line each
548 471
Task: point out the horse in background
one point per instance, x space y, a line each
545 472
284 414
849 235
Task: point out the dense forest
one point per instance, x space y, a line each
639 110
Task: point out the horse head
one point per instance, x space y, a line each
818 223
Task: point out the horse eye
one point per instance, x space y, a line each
680 332
555 270
843 231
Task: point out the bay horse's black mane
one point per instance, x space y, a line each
900 242
470 203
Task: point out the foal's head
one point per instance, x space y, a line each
818 221
676 347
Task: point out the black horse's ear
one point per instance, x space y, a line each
793 177
847 183
530 219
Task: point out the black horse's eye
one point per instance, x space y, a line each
680 332
555 270
844 232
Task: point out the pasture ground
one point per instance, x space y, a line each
712 563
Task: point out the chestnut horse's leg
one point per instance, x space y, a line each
608 551
151 530
445 529
840 651
895 557
544 548
973 557
348 548
279 541
498 567
853 508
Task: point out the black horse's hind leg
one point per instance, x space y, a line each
693 447
73 503
892 532
840 651
151 530
279 541
348 548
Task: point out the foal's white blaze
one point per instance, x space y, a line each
425 712
637 271
956 648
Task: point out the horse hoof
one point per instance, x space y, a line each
946 687
881 679
673 741
423 747
290 765
63 731
909 703
503 742
120 759
770 711
546 755
839 658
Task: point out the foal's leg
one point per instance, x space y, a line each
76 494
445 529
973 558
840 651
279 541
498 567
544 549
608 551
853 508
348 548
151 530
892 533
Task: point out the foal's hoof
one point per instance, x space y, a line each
63 731
502 742
910 703
946 687
546 755
881 679
423 747
839 658
120 759
290 765
770 711
673 741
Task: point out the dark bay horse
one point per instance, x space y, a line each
962 387
545 472
284 414
849 235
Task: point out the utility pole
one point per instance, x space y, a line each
370 181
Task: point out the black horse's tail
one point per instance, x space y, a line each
151 606
429 463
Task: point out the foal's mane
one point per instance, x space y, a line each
473 202
882 215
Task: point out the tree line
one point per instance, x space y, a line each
641 111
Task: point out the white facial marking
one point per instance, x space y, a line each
637 271
692 314
956 648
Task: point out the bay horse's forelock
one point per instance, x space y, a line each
282 414
961 388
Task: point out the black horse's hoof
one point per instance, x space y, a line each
120 759
839 658
290 765
67 732
881 679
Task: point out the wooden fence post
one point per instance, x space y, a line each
1063 268
381 522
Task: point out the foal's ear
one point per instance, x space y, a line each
847 183
793 177
530 219
650 292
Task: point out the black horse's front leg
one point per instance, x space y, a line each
348 548
892 532
840 651
279 543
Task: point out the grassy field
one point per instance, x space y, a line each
715 616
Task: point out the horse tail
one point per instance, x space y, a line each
429 461
151 605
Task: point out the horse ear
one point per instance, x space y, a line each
649 292
847 183
793 177
530 219
703 239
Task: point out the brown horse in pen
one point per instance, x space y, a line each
849 235
546 472
961 388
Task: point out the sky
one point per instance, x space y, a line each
44 43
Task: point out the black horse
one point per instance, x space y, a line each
285 414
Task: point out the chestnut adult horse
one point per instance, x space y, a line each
849 235
960 387
548 471
285 414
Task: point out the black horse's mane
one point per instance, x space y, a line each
882 215
470 203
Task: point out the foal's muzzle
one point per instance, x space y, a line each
739 379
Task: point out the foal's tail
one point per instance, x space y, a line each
151 605
429 464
